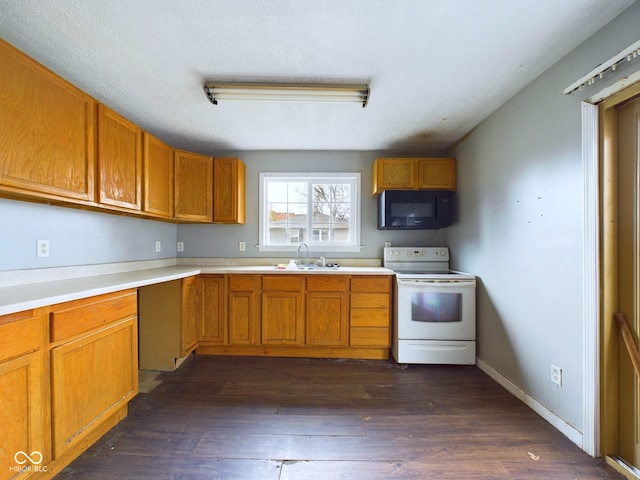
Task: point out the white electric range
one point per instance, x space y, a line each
434 314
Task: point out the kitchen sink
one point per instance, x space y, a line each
313 266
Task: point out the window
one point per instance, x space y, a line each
319 209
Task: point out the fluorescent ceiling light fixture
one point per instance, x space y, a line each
280 92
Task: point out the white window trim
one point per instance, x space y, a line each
356 213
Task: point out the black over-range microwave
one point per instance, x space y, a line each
415 209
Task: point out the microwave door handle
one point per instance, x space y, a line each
436 283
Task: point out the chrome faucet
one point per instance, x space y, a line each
307 254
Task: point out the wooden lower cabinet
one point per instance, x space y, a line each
189 314
282 310
298 315
370 313
24 406
92 376
67 372
213 321
94 365
243 320
327 310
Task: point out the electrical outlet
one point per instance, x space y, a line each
242 246
158 246
42 248
387 244
181 246
556 375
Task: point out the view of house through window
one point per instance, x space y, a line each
317 209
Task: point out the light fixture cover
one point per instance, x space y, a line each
280 92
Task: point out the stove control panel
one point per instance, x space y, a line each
416 254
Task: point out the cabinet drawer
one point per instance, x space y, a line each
242 283
369 336
381 284
281 282
20 333
326 283
369 317
73 318
370 300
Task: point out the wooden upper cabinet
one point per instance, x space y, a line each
193 187
229 179
119 160
413 174
157 158
47 144
436 173
393 174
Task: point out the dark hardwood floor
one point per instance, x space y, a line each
222 418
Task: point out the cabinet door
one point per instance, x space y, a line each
47 145
243 310
190 314
193 187
394 174
437 173
119 160
22 406
23 402
282 310
213 309
228 190
91 376
327 318
158 177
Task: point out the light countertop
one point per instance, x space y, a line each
34 295
21 297
314 271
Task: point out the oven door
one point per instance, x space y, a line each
435 310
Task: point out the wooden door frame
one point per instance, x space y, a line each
609 336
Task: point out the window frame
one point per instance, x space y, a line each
317 177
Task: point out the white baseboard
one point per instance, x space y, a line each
567 430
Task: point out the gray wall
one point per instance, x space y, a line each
222 240
77 237
521 203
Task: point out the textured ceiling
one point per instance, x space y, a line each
436 67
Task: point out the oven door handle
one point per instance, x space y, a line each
436 283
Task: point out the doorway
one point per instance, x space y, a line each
620 202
